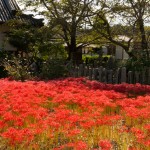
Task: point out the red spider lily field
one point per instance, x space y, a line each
74 114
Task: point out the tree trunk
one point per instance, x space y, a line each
77 57
68 49
144 44
74 54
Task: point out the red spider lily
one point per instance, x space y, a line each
17 136
123 129
87 124
105 144
132 148
147 143
108 120
2 124
147 127
81 145
73 132
65 112
76 145
139 134
74 118
8 116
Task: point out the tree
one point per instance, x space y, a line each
73 18
139 12
102 25
29 39
132 13
70 17
33 47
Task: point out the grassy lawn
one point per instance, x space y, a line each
74 114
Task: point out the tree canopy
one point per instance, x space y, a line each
80 22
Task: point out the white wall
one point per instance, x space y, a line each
120 53
104 49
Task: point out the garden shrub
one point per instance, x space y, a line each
96 60
53 68
137 65
3 72
138 62
17 67
89 59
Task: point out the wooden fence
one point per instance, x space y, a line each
110 76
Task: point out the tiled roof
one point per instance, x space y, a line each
8 9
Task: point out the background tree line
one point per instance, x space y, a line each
84 21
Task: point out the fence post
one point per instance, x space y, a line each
85 71
81 70
123 75
117 76
95 73
90 73
137 77
148 79
104 75
130 79
100 69
75 73
71 72
110 63
143 77
110 76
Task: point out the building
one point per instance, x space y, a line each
8 11
108 48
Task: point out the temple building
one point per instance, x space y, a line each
8 11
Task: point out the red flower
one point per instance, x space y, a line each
67 109
147 127
80 145
105 144
73 132
147 143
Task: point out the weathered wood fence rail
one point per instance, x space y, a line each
117 76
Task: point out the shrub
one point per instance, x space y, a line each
89 59
17 67
136 65
139 61
96 59
53 68
3 72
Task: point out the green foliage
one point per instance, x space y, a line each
89 58
139 62
3 72
39 42
67 18
77 21
17 67
52 50
137 65
21 35
95 59
53 68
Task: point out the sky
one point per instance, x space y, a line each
117 20
29 10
